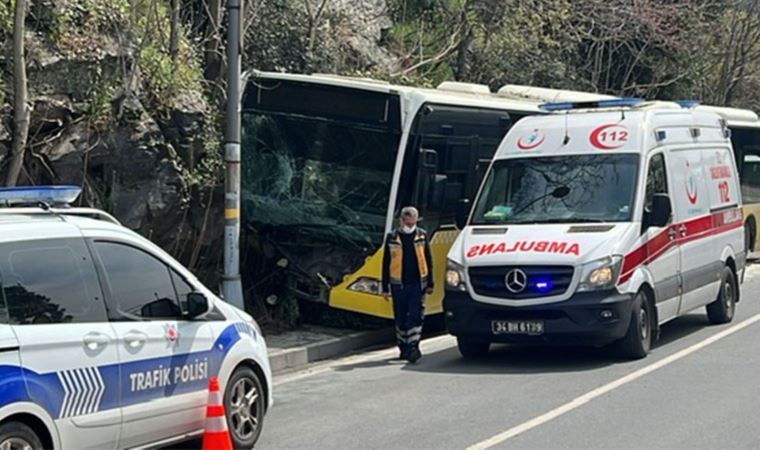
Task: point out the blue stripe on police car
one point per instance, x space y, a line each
75 392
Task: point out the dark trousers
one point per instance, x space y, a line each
408 312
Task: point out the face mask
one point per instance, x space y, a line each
408 230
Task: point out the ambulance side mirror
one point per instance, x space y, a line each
462 213
661 211
197 305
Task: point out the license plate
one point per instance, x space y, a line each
531 327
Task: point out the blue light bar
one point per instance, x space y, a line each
612 103
688 103
51 195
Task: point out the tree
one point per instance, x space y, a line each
737 53
213 52
20 107
174 32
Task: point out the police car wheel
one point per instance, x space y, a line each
17 436
471 348
638 339
722 309
244 404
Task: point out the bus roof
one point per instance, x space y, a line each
448 92
509 97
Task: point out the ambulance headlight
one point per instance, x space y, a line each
366 285
455 276
600 274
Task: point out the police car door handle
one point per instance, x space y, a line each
94 341
135 339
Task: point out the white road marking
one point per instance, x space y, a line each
428 346
598 392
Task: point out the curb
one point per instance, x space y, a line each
293 358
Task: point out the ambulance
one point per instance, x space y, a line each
106 341
596 224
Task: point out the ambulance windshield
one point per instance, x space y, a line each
559 189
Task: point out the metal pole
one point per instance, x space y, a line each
232 289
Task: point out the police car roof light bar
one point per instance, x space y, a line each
36 195
612 103
688 103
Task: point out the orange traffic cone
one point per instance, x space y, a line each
216 436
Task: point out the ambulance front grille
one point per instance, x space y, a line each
541 281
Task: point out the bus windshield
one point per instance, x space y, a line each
306 172
566 189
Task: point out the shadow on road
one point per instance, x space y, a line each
527 359
682 327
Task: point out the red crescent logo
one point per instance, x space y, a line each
618 137
689 183
530 145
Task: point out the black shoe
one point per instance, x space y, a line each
403 355
414 356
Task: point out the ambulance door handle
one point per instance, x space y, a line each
94 341
682 230
672 234
135 339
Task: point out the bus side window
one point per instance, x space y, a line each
462 141
750 177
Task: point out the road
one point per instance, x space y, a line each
699 388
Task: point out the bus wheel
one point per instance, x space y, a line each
638 339
722 309
18 436
472 348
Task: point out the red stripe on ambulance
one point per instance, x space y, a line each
699 228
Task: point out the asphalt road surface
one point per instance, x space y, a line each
699 388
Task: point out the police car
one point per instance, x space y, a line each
599 224
106 341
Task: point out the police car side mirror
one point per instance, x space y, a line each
462 213
197 305
661 210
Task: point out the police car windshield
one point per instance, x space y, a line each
559 189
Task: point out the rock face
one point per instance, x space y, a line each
366 21
130 169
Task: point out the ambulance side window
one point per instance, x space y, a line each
50 281
657 181
140 284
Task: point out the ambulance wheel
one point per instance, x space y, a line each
244 405
17 436
472 348
638 339
722 309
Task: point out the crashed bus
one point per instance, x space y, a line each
328 162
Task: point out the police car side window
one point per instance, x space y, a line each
657 181
182 288
50 281
140 284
